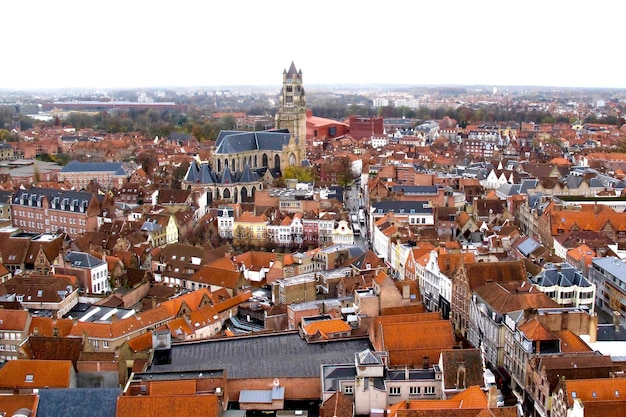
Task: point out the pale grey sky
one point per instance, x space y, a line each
136 43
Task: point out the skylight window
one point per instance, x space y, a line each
29 377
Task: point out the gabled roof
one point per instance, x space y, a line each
468 403
54 348
599 389
478 273
326 327
504 297
210 275
408 342
34 373
14 320
337 405
83 260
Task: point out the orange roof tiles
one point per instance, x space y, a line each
504 297
141 343
182 405
473 398
408 342
45 326
325 327
597 389
9 404
13 319
176 387
34 373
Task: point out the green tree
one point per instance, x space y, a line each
302 174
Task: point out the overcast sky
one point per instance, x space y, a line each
135 43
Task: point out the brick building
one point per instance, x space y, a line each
106 174
43 210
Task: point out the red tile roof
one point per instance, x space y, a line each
9 404
34 373
174 405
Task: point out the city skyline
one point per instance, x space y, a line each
68 44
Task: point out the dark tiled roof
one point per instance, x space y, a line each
398 206
248 175
83 260
76 166
231 142
100 402
58 200
266 356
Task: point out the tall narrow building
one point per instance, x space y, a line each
291 114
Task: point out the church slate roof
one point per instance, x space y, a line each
248 175
292 69
207 175
229 141
227 177
192 172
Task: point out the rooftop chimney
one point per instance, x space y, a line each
593 328
460 375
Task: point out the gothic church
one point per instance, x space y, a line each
242 162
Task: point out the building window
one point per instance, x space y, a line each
394 390
348 389
429 390
105 344
415 390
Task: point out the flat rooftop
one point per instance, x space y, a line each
262 356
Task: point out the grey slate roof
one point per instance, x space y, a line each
612 265
227 177
566 276
78 402
404 207
75 166
248 175
262 356
415 189
528 246
74 200
83 260
179 137
229 141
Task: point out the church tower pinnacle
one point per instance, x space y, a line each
291 114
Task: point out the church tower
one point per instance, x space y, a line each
291 114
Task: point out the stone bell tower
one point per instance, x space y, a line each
291 114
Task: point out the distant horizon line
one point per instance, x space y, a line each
309 86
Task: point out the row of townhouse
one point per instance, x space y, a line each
393 219
44 210
308 229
